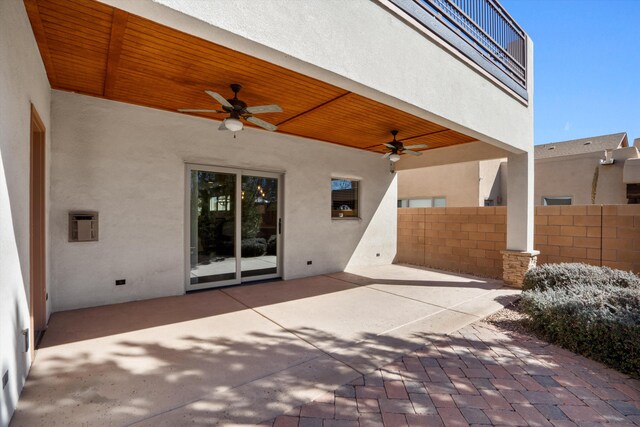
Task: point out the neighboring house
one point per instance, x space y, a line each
467 184
631 177
109 193
597 170
583 171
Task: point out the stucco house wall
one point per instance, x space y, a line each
463 184
22 82
490 183
455 181
564 176
128 163
573 176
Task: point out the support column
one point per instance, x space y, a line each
519 256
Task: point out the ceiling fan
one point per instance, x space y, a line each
237 110
397 148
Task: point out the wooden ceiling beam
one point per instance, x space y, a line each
118 27
316 108
41 38
410 138
423 135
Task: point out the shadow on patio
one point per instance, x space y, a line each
191 379
245 354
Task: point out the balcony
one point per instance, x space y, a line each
481 30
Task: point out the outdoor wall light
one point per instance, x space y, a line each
234 125
394 157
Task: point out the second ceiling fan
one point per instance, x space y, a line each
237 110
397 148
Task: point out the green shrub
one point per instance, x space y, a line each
253 247
600 321
272 245
551 276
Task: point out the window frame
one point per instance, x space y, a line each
357 215
544 200
431 198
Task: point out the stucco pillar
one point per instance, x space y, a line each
519 256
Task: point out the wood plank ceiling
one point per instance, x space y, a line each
95 49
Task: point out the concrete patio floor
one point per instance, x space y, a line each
245 354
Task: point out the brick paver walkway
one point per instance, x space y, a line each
480 376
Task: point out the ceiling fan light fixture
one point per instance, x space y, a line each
394 157
237 110
234 125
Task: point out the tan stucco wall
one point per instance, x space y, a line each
631 174
457 182
463 184
491 182
470 183
573 177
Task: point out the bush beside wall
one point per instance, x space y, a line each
593 311
551 276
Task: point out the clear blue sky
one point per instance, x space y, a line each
587 66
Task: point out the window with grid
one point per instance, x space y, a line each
344 198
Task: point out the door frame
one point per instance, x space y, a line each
37 229
239 173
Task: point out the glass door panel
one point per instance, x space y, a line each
212 227
259 226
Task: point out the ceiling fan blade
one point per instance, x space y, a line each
219 98
266 125
413 153
387 155
389 145
196 110
415 147
273 108
222 127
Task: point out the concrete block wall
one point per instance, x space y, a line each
621 237
568 233
469 240
595 234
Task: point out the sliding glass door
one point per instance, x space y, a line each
212 247
259 244
234 226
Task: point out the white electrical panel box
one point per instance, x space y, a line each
83 226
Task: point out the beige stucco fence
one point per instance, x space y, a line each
469 240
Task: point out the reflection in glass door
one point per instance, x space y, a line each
259 244
212 227
233 228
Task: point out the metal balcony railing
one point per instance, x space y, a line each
482 30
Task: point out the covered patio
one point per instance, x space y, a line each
113 130
241 355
